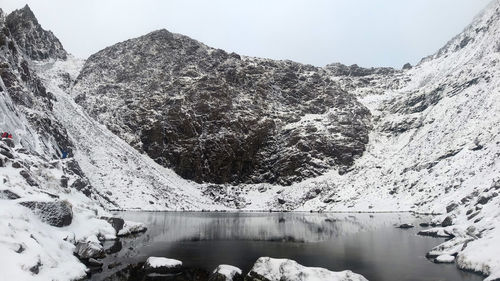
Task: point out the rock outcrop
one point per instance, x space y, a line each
23 40
55 213
159 265
31 38
269 269
90 248
219 117
226 272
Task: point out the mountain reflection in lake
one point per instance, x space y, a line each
368 244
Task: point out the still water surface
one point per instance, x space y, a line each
367 244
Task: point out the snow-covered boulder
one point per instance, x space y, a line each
269 269
444 259
482 256
161 265
130 227
226 272
435 232
117 223
55 213
449 248
89 248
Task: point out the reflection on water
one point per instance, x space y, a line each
364 243
303 227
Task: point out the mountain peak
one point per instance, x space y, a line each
27 12
36 42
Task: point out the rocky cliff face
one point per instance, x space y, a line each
219 117
31 38
22 40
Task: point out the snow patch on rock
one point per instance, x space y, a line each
130 227
288 270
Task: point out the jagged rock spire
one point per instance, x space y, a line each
32 39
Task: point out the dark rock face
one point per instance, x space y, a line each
31 38
89 249
407 66
447 222
220 118
406 226
28 177
7 194
55 213
23 40
451 207
9 142
117 223
354 70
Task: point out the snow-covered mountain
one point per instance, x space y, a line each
222 118
141 119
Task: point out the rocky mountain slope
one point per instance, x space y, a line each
222 118
51 203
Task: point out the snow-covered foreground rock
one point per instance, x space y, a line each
226 272
160 265
32 249
269 269
44 224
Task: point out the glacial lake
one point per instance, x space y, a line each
368 244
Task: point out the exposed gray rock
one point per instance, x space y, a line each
483 200
28 177
25 40
82 184
451 207
31 38
95 263
447 221
406 226
35 269
55 213
7 194
9 142
117 223
91 248
6 153
407 66
64 181
339 69
197 110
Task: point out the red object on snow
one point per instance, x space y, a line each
5 134
10 136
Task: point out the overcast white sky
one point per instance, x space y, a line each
318 32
